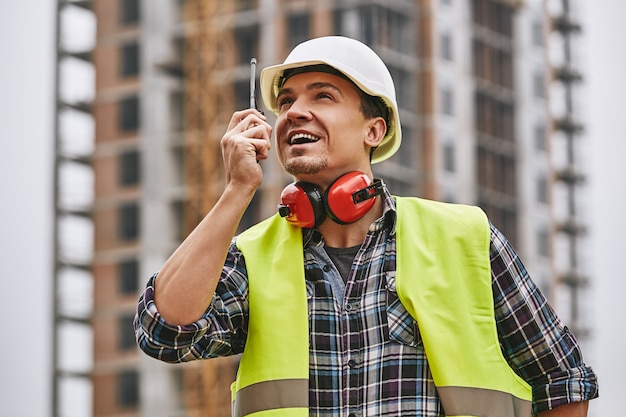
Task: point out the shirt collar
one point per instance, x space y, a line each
388 219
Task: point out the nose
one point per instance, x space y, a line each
298 110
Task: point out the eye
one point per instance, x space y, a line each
284 101
325 95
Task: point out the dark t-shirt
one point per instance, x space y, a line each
343 259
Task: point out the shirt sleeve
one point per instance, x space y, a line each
221 331
534 340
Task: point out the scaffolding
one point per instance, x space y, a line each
73 196
569 176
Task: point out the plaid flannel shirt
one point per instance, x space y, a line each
366 353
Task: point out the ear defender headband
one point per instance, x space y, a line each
345 201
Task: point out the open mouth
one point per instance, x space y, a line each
302 138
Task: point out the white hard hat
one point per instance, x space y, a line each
357 62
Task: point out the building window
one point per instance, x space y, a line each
129 168
129 60
127 274
537 33
251 215
539 86
404 92
542 189
494 15
407 154
129 114
503 68
447 101
125 332
502 217
448 158
540 137
177 101
177 209
298 29
242 94
381 26
481 58
338 24
496 172
446 46
129 11
494 117
128 221
449 196
247 41
128 389
543 243
241 5
492 64
509 225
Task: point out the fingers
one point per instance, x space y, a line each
245 119
249 136
253 127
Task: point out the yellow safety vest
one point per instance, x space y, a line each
450 297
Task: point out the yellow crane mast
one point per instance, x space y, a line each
208 104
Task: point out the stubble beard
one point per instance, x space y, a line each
312 165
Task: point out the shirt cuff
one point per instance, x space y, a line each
564 387
154 333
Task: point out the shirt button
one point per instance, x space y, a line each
351 415
326 268
352 306
351 363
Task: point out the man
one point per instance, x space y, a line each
357 303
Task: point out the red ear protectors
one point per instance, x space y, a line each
345 201
302 204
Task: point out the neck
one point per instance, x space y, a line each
353 234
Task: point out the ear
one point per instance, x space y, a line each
377 128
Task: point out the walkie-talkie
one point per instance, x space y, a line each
253 87
253 84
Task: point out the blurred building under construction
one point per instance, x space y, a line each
487 95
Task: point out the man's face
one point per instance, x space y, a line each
320 131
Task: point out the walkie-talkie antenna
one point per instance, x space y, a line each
253 83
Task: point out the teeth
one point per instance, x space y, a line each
303 138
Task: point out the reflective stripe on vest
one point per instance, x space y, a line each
453 308
286 395
467 401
